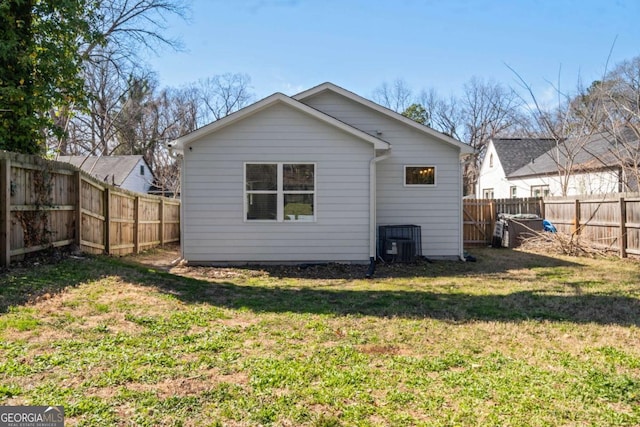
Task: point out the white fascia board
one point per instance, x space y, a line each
179 144
464 148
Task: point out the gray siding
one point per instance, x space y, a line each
436 209
213 196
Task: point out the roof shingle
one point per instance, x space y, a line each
514 153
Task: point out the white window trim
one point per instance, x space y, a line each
542 188
435 176
279 193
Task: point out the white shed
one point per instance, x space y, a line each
309 178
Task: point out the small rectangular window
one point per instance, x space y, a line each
141 169
280 192
514 191
420 175
539 190
487 193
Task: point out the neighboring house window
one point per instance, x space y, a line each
487 193
539 190
514 191
141 169
491 160
420 175
280 192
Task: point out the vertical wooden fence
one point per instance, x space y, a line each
480 215
609 221
46 204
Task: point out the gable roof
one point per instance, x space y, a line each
111 169
180 143
598 151
464 148
514 153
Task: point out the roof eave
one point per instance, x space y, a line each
464 148
178 145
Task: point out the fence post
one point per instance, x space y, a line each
623 228
541 208
492 220
576 217
136 225
78 180
107 220
5 212
161 231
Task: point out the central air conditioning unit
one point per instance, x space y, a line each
399 243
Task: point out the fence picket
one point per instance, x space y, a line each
66 206
611 221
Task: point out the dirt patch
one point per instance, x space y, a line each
168 259
183 386
164 258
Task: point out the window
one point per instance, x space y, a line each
487 193
141 169
539 190
514 191
280 192
491 160
420 175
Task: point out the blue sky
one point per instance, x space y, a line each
291 45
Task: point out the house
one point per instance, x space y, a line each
503 157
309 178
128 172
542 167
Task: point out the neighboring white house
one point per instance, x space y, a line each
128 172
309 178
520 167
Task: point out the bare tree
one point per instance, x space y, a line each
572 124
130 27
619 96
396 96
223 94
444 114
94 130
485 110
122 30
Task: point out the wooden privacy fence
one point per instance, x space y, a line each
480 215
46 204
609 221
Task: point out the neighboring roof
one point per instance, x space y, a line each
598 151
180 143
514 153
111 169
465 148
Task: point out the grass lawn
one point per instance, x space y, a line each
515 339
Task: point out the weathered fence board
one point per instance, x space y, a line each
478 221
480 215
47 204
610 221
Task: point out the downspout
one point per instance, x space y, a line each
373 247
181 188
